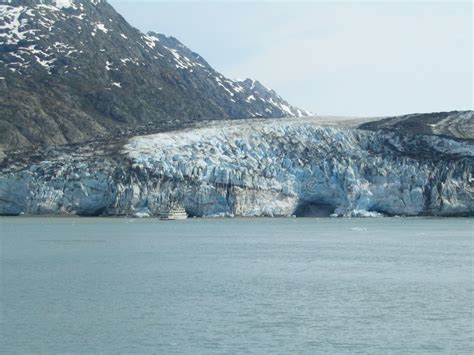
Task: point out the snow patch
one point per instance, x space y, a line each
150 41
64 3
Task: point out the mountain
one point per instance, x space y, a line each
454 124
254 167
75 70
103 108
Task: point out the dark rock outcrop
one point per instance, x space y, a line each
454 124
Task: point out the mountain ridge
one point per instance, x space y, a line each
75 70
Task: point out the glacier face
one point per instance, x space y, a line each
254 168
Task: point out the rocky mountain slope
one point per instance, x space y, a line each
455 124
303 166
74 70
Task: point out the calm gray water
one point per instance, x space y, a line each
236 285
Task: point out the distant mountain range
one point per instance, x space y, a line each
76 70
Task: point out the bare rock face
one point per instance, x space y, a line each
455 124
252 168
74 70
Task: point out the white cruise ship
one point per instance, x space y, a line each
173 213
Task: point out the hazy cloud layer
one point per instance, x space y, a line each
332 58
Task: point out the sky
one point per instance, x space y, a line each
332 58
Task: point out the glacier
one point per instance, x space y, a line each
251 168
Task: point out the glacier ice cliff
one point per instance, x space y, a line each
252 168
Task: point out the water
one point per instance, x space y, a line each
236 285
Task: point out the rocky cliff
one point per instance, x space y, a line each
251 168
75 70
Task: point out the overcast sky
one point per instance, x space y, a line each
338 58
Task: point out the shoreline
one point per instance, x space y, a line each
125 217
